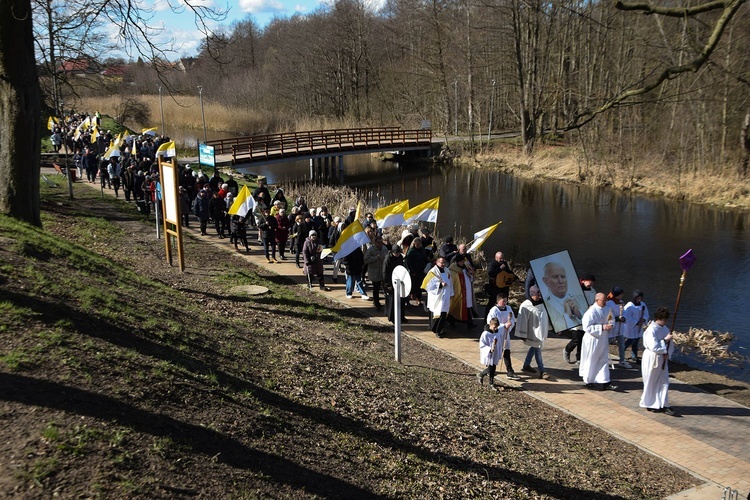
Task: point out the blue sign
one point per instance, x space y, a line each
206 155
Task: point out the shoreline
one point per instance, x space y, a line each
721 190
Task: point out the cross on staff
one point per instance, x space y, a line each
686 262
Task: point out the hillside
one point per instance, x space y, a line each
122 377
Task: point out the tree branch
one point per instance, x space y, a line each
729 7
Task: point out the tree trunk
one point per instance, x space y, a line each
20 110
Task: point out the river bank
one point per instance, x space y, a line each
720 188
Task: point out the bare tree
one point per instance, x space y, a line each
726 11
20 103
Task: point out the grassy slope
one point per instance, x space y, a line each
122 377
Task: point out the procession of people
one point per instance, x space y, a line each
444 275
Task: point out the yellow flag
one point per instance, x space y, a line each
168 149
427 211
392 215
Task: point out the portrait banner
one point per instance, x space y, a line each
561 290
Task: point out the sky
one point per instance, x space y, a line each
181 26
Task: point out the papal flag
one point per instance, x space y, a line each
392 215
481 236
119 140
427 211
94 134
243 203
51 122
352 236
85 123
167 149
112 151
149 131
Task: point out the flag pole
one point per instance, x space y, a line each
686 262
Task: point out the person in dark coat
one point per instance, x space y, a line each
394 259
416 262
283 225
217 210
303 228
354 263
311 250
268 226
448 249
200 209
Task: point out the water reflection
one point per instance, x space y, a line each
632 242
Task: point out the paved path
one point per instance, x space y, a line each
710 438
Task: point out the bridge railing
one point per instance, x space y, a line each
274 146
224 146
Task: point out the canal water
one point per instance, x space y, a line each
631 242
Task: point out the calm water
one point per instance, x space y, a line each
632 242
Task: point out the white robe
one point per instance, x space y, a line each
439 299
533 323
655 379
633 313
486 345
618 327
503 317
594 366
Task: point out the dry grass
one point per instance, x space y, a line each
708 344
184 112
649 176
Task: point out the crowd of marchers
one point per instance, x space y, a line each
442 273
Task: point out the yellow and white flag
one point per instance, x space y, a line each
427 211
85 123
481 236
167 149
51 122
243 204
352 236
392 215
94 134
112 151
149 131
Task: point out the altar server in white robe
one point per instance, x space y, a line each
654 367
439 292
597 323
490 344
503 313
636 319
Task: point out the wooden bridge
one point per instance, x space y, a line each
320 144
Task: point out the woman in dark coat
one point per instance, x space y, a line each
282 231
311 250
416 262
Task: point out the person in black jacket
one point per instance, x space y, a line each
268 226
354 263
217 210
395 258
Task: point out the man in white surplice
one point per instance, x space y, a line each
654 366
439 292
597 322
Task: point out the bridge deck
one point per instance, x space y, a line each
301 145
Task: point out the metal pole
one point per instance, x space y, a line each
492 103
161 108
397 317
455 107
203 115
